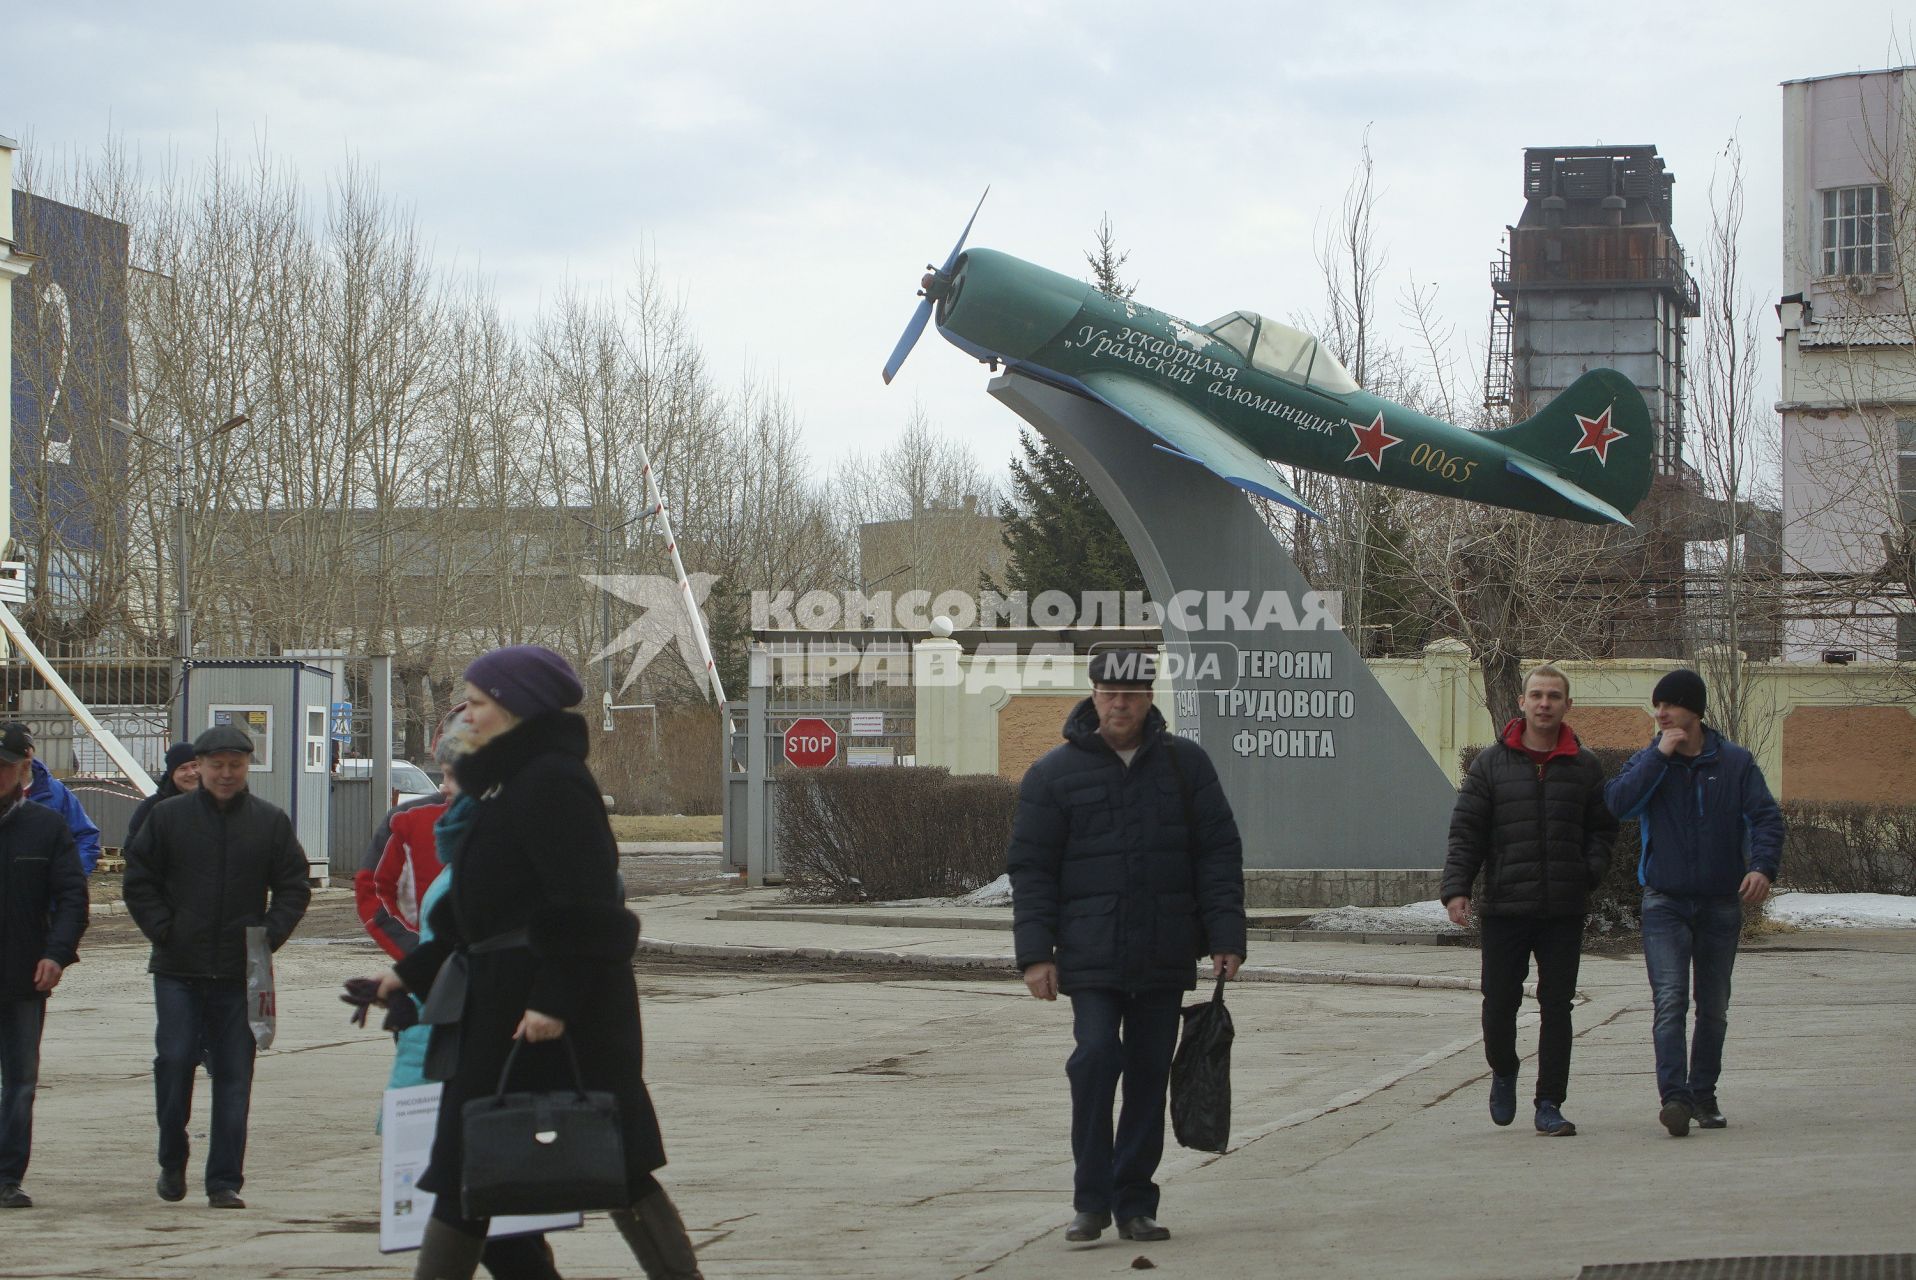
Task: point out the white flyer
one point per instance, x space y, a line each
410 1115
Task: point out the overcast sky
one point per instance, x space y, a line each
793 166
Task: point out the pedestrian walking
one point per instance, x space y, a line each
428 855
203 867
1125 867
182 774
1712 840
43 912
1531 825
536 920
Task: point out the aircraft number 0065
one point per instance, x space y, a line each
1447 465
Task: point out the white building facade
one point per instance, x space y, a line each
1848 394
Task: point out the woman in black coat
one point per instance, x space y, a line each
537 913
182 775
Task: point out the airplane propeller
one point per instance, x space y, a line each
929 292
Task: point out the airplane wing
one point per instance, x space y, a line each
1188 434
1572 493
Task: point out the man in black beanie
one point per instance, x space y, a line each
1712 838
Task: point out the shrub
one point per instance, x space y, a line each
1829 847
876 834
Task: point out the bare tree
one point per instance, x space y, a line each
1733 449
918 514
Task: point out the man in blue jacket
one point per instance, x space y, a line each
50 791
1712 841
1125 866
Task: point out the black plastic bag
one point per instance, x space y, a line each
1201 1076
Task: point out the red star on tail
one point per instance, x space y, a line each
1598 435
1371 442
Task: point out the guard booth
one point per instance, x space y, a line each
283 704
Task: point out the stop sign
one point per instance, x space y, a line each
811 743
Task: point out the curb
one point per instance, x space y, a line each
1003 964
935 919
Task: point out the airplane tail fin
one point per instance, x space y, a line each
1593 445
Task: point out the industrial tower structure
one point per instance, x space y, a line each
1592 276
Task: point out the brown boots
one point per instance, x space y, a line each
656 1235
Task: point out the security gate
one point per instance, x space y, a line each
859 682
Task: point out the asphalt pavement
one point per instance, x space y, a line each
851 1093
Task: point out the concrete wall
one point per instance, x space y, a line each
1825 732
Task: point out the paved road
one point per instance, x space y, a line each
833 1119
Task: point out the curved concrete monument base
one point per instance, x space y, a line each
1322 770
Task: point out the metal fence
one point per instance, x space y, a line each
129 696
353 817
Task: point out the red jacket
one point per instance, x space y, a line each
388 889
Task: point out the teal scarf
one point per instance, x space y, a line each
449 833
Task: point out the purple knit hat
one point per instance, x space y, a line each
526 679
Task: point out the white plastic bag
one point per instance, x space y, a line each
262 1011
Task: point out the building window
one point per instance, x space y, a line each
1906 637
1856 231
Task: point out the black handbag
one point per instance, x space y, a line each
1201 1075
556 1152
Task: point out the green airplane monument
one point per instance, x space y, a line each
1244 391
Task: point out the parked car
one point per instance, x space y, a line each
409 780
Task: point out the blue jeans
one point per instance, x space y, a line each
20 1024
1685 936
198 1015
1128 1036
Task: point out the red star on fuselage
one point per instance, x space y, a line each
1598 435
1371 442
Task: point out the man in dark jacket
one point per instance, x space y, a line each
1125 867
1530 816
1712 842
203 867
43 912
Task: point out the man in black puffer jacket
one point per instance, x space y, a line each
203 867
1530 815
1125 867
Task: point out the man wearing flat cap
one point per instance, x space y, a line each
1712 840
203 867
1125 868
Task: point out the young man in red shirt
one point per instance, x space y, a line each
1530 817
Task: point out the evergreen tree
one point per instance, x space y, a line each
1059 535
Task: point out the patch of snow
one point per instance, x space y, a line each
1418 917
1843 910
995 894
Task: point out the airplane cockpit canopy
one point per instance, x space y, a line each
1282 352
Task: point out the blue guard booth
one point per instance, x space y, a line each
284 704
